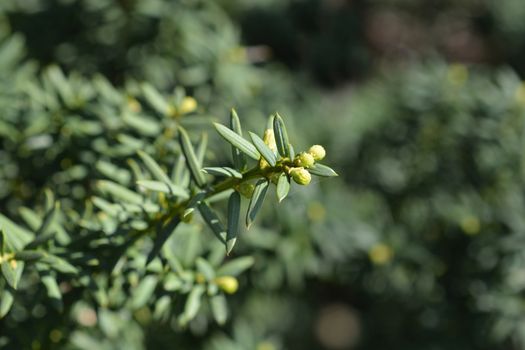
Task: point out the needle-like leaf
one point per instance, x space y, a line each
237 141
256 201
234 212
263 149
191 159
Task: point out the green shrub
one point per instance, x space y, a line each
100 187
433 156
419 240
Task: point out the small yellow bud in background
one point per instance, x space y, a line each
470 225
246 189
199 278
317 151
188 105
269 139
228 284
134 105
55 335
266 345
380 254
301 176
457 74
304 160
13 264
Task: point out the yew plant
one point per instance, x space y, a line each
127 233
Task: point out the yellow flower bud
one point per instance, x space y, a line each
457 74
269 139
134 105
470 225
246 189
301 176
317 151
188 105
228 284
304 160
263 164
266 345
380 254
187 218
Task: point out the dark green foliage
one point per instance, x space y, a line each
118 236
439 163
110 190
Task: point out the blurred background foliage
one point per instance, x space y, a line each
420 105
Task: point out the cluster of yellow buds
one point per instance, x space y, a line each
303 161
